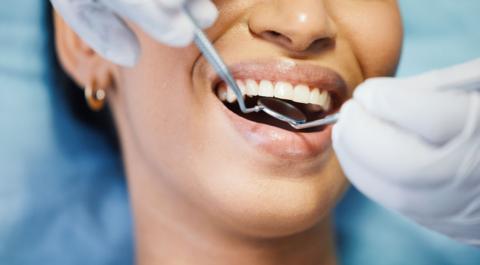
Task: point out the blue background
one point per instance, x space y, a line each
63 198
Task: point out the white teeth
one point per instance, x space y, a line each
265 88
242 87
222 93
301 94
318 99
231 96
327 100
283 90
315 96
252 87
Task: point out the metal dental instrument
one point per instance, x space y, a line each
276 108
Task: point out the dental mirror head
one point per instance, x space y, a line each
282 110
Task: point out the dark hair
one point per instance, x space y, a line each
100 121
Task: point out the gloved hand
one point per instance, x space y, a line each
413 145
101 23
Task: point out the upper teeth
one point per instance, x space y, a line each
283 90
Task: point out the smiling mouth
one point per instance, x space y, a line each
315 91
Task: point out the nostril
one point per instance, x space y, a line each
273 33
276 36
322 44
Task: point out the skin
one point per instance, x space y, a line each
199 194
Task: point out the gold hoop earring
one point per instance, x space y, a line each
95 97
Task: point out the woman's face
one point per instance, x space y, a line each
243 174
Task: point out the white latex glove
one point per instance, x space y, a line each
413 145
101 23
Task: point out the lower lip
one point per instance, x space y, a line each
279 142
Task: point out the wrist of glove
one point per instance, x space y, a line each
413 145
102 23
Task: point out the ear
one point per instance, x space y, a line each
80 61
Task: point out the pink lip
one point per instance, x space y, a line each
273 140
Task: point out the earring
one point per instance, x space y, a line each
95 97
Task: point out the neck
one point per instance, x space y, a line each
170 232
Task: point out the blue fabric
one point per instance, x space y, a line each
438 33
62 192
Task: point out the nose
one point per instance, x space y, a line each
298 25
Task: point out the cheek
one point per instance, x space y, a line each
374 31
156 103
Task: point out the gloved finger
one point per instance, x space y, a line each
417 203
101 29
204 12
366 181
166 25
458 77
166 20
171 4
414 202
465 76
437 116
388 150
181 35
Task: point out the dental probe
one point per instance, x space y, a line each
275 108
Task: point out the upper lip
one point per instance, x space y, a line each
288 71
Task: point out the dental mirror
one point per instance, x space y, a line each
276 108
281 110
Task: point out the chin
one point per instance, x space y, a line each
272 207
